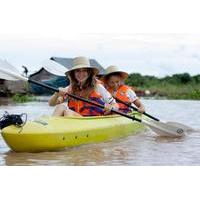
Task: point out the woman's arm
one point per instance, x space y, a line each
53 99
110 102
107 97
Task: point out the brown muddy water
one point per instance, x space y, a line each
142 149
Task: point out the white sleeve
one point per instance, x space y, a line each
107 97
131 95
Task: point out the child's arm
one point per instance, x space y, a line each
139 105
134 99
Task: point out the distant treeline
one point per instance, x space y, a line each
177 86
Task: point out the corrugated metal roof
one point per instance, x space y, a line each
67 62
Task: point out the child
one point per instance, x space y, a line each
114 83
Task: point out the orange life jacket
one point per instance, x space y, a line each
86 109
121 94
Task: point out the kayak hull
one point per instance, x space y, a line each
56 133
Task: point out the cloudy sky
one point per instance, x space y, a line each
135 38
152 54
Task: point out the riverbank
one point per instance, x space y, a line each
168 91
177 86
154 93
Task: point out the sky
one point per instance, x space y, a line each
144 42
148 54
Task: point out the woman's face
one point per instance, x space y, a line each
81 75
114 81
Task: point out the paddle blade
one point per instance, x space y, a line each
8 72
180 125
6 76
54 67
7 66
164 129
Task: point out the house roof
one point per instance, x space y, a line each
67 62
39 71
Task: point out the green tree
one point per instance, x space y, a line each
135 79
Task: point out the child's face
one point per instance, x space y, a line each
114 81
81 75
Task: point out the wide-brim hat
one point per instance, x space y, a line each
82 62
114 70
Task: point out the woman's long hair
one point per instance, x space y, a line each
89 84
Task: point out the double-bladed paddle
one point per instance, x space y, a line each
9 72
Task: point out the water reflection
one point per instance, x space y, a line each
169 139
93 154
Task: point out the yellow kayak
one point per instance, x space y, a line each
56 133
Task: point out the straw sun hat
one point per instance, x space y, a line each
82 62
114 69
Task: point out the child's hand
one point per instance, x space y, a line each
141 109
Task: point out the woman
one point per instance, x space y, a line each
84 84
114 83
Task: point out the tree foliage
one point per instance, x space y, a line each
136 79
177 86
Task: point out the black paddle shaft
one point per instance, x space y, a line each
144 113
83 99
